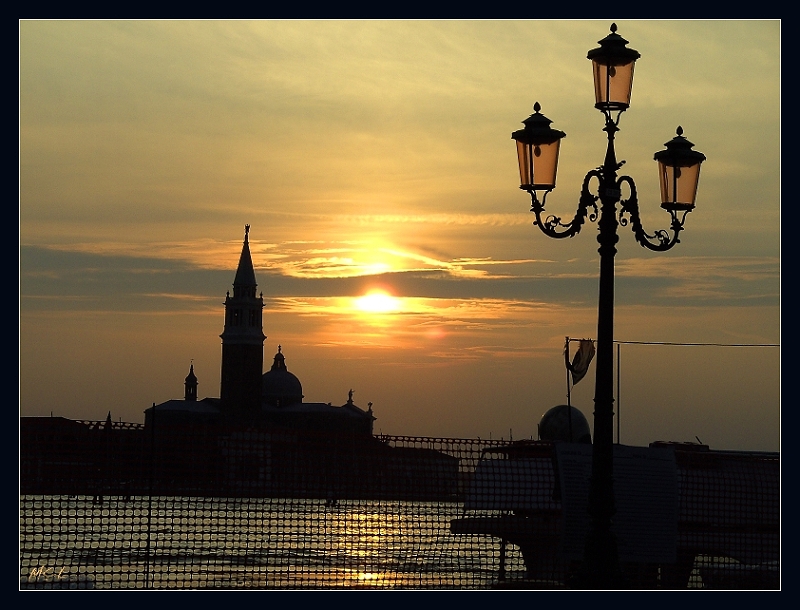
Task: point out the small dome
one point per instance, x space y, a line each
279 387
564 423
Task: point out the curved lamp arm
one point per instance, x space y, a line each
552 225
660 240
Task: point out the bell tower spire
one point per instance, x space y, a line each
243 340
190 385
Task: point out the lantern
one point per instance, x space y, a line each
537 150
679 173
612 63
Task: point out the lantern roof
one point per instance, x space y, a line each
679 152
537 129
612 50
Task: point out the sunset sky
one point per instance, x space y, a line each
376 156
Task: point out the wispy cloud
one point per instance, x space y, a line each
301 259
701 267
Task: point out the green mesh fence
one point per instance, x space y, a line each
106 505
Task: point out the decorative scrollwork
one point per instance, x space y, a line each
660 240
552 224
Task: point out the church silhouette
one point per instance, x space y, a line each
248 395
258 438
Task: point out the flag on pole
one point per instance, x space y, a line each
580 363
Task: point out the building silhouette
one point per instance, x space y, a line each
257 438
248 395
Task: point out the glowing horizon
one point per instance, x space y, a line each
372 155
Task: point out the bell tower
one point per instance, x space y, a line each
190 385
242 341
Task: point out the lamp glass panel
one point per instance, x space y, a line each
525 164
613 84
678 184
538 164
545 164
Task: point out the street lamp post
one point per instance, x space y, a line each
679 170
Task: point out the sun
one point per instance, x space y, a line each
378 301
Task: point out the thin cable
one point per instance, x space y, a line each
700 344
570 339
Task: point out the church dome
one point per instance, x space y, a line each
279 387
565 423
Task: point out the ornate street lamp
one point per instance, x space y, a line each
537 150
679 172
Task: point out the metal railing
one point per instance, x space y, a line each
106 505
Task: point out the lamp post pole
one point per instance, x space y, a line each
601 555
679 171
